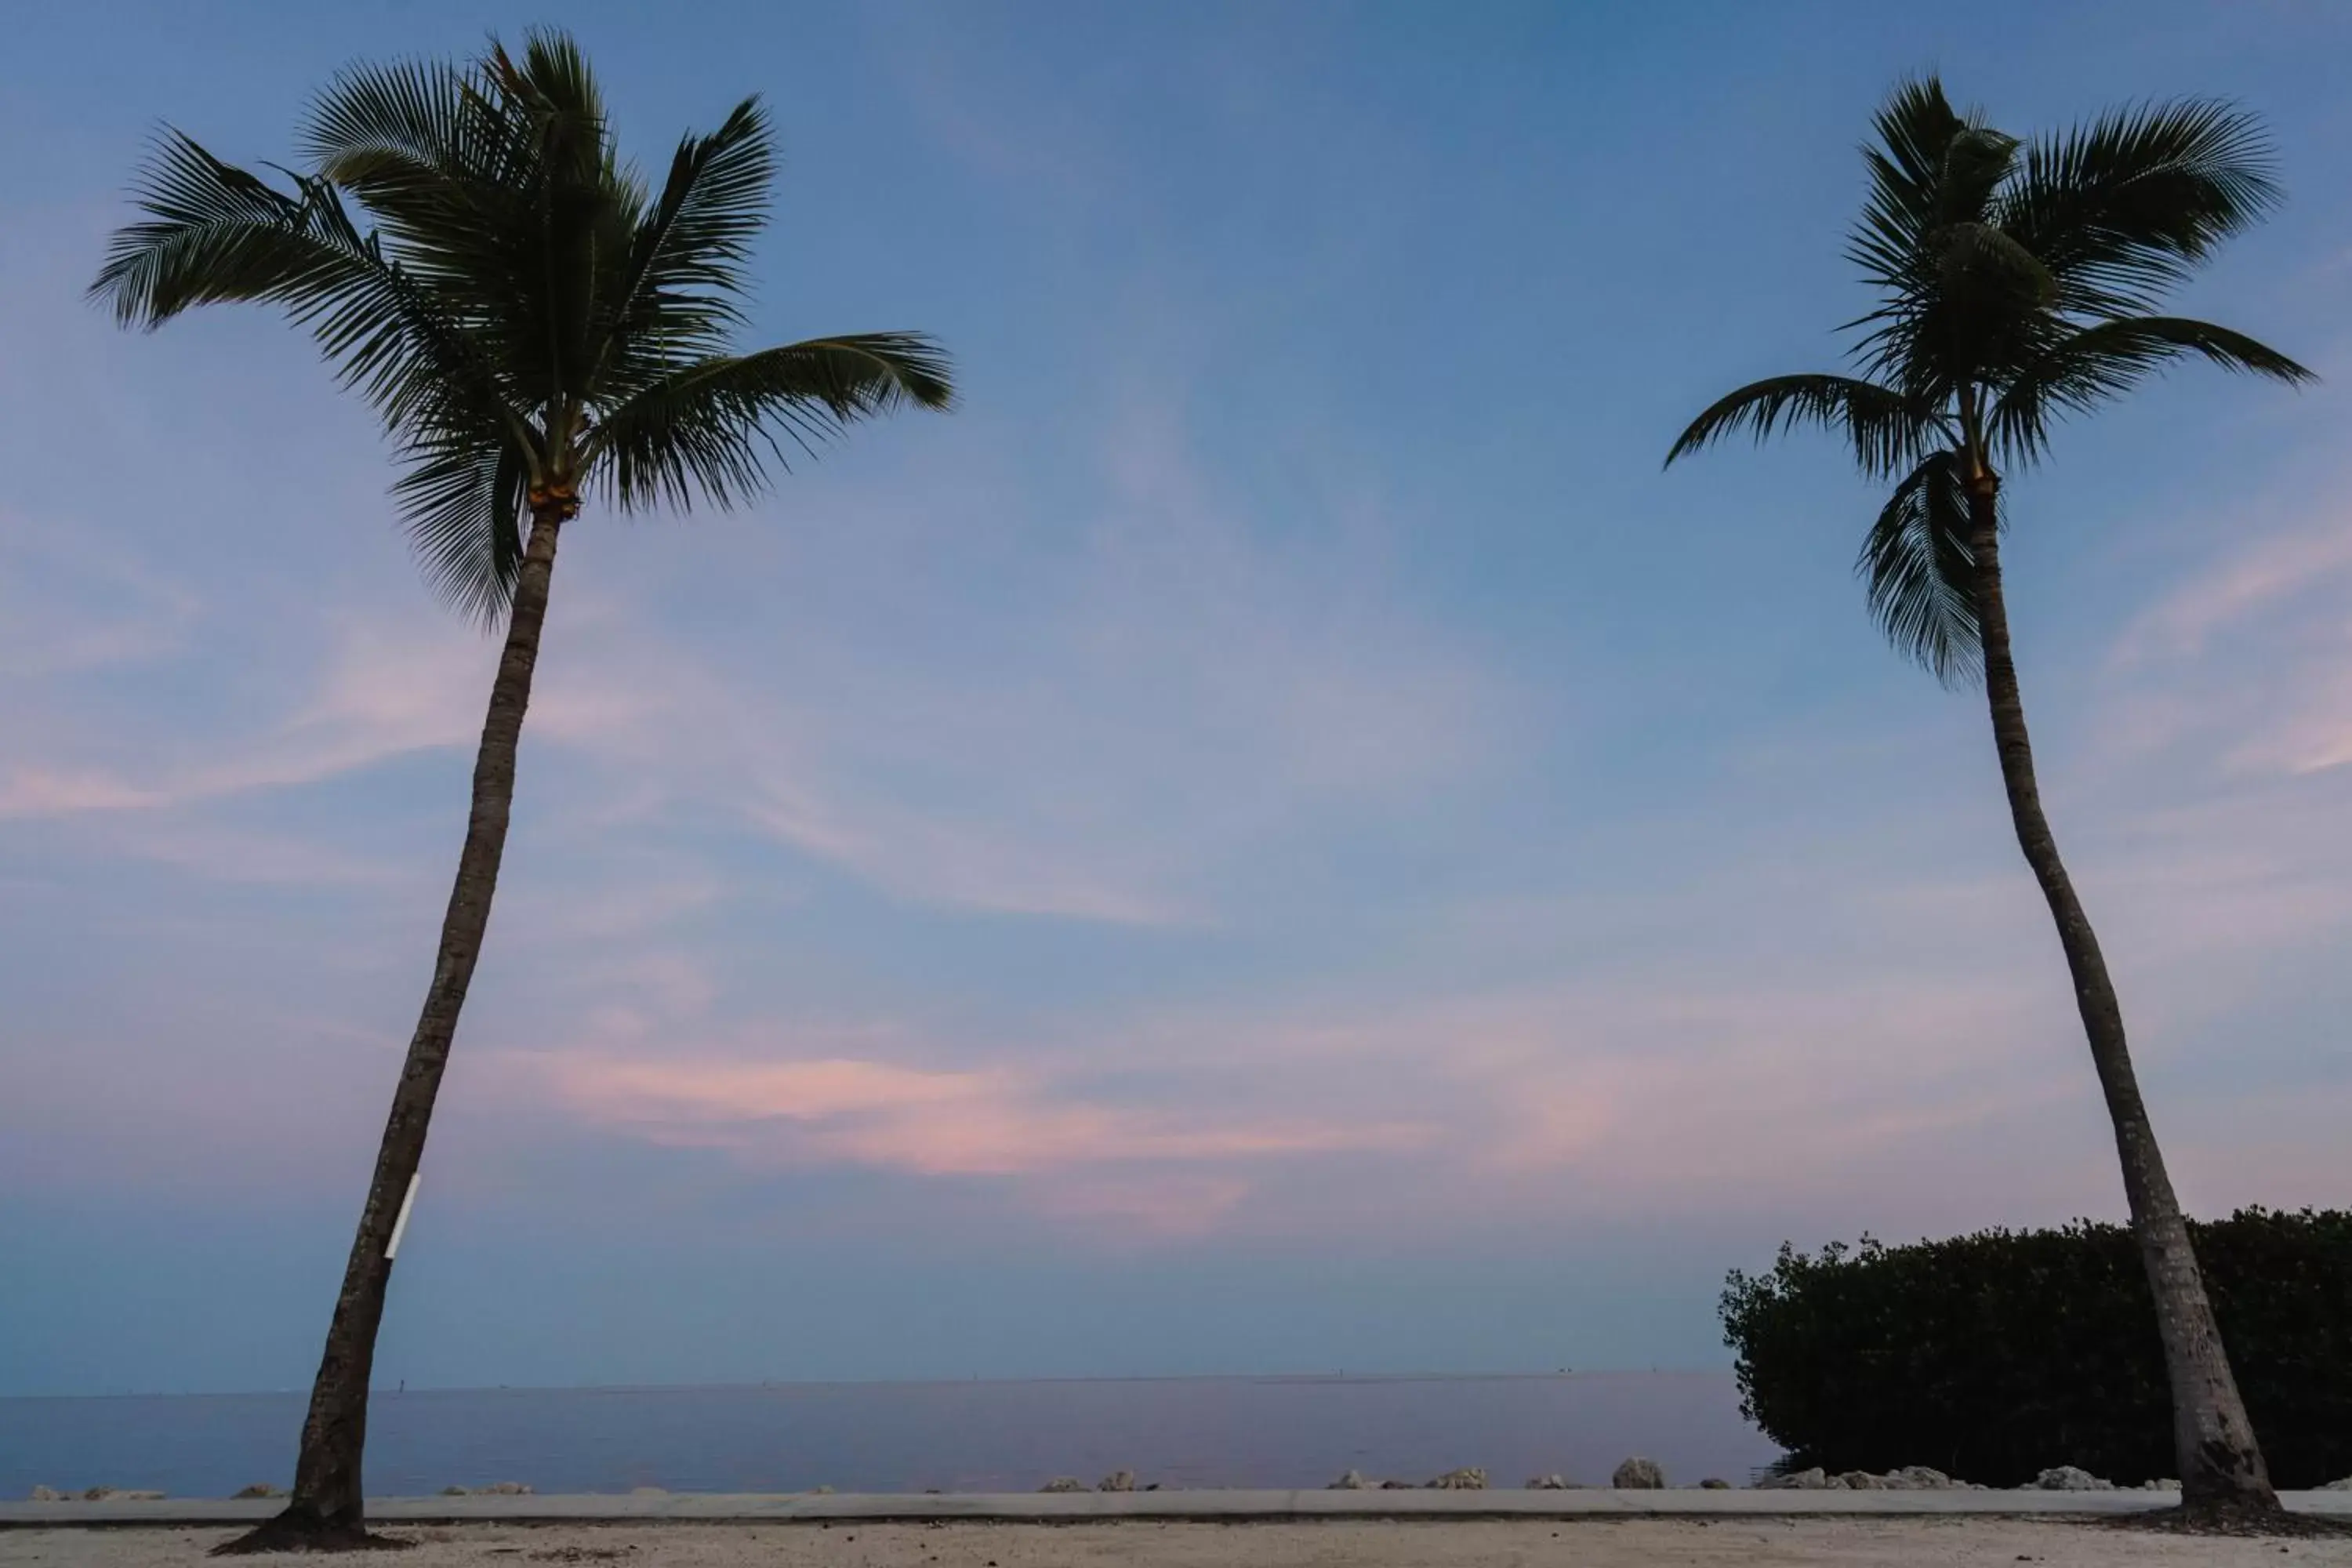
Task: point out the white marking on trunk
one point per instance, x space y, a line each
400 1226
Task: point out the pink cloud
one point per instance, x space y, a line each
385 691
2275 568
1587 1098
1166 1204
2315 735
2250 662
38 790
992 1121
66 607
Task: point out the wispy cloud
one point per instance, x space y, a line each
1163 691
1550 1101
1166 690
67 607
2257 578
385 693
2251 660
930 1122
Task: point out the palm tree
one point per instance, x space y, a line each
2016 284
535 324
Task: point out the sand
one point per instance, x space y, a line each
1582 1543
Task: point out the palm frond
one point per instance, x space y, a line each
216 234
1977 259
1886 429
2103 360
462 503
1976 161
398 342
684 271
2122 208
1920 574
410 124
1925 243
709 430
443 160
555 76
1915 130
555 89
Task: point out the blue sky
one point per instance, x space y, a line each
1273 839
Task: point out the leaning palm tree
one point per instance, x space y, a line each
536 324
2017 283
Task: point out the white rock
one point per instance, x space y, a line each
2343 1486
2070 1478
1813 1481
259 1489
1909 1478
1638 1474
1065 1484
1352 1482
1116 1481
1472 1480
49 1494
1547 1484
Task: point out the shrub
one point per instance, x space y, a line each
1992 1356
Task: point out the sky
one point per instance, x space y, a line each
1272 838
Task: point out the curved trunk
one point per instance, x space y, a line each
2220 1463
327 1499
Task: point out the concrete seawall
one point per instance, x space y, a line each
1205 1505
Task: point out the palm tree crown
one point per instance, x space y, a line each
530 317
2017 283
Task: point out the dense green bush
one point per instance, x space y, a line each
1995 1355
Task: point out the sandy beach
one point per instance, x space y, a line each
1587 1543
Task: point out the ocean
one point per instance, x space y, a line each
1286 1432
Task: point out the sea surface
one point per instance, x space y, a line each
1288 1432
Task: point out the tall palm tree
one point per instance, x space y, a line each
536 323
2016 284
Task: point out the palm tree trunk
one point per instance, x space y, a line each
2221 1462
327 1506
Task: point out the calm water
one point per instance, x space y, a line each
957 1436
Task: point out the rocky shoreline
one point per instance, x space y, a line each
1636 1474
